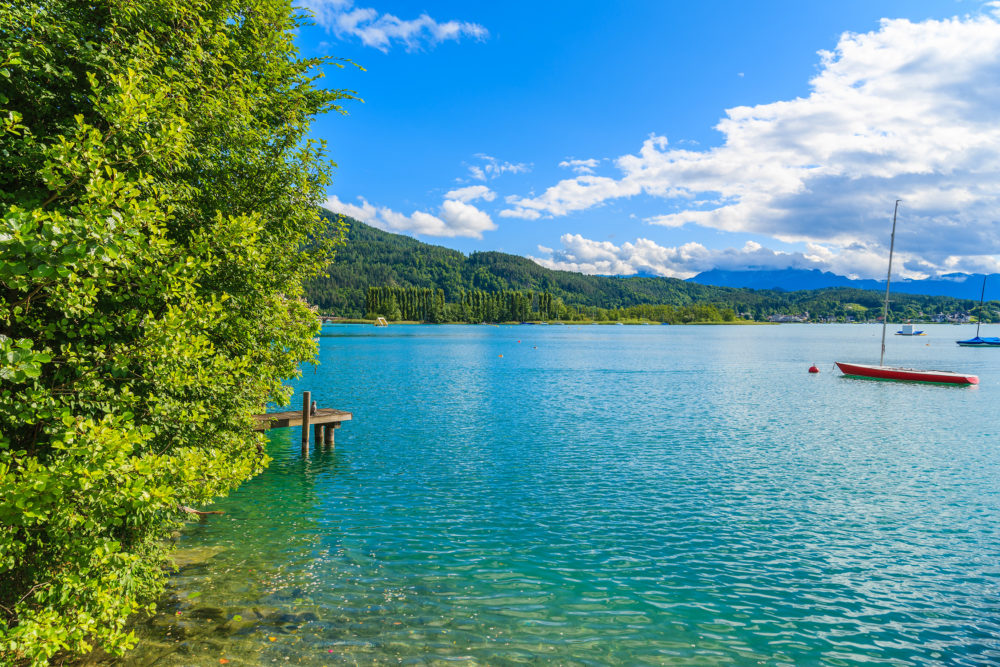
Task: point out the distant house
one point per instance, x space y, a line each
952 318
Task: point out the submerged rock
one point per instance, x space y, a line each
236 625
210 613
194 556
263 612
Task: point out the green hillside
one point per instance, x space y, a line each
374 258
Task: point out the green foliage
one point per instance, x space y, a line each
159 215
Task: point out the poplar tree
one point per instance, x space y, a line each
159 198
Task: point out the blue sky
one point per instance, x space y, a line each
673 137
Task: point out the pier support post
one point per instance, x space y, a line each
318 434
306 406
328 435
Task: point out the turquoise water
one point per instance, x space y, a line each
611 495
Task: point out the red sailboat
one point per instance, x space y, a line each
883 372
912 374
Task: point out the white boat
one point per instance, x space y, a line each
907 330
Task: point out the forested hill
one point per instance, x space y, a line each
373 258
376 258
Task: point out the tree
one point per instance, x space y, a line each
159 201
391 309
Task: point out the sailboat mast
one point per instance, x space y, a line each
979 320
885 306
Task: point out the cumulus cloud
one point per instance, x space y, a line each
490 167
907 111
575 194
645 256
381 31
472 193
580 166
455 218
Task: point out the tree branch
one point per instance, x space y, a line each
191 510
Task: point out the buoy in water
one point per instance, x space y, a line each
813 369
500 355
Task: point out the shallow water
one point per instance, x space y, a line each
611 495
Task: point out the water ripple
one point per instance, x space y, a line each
609 495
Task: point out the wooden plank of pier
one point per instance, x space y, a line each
323 421
294 418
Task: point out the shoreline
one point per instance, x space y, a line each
348 320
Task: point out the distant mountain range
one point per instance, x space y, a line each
956 285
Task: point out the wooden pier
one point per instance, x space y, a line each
323 420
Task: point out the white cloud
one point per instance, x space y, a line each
492 167
523 213
645 256
575 194
455 218
907 111
472 193
382 30
465 219
580 166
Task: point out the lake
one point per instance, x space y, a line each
682 495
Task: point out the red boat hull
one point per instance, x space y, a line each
908 374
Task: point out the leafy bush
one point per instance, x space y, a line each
159 203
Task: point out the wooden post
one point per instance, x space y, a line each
306 405
318 434
328 435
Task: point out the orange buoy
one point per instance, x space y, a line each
500 355
813 369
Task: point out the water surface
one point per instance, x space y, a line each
611 495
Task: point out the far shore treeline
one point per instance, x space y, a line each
423 304
448 286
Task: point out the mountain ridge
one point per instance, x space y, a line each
955 285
